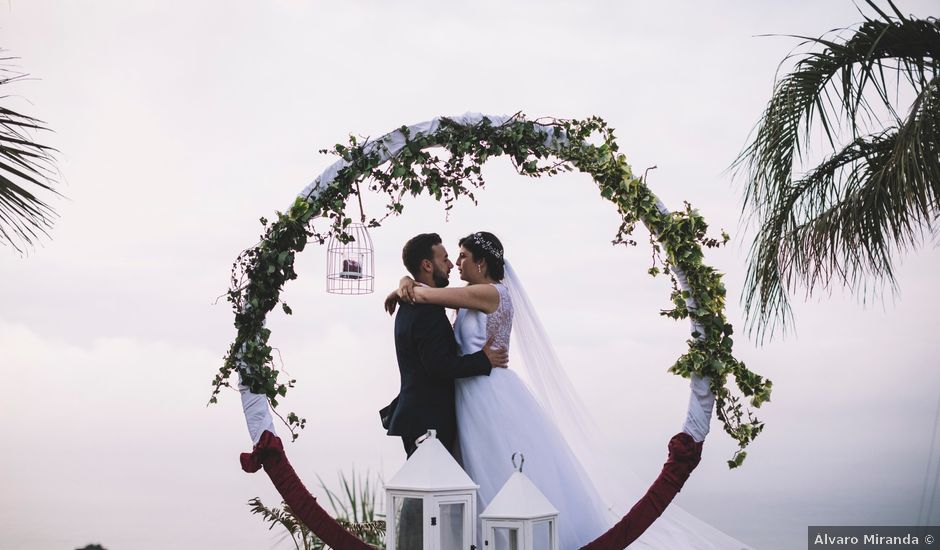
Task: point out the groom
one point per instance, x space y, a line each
427 352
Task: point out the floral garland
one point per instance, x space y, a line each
537 148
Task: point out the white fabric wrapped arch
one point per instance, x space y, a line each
701 400
257 413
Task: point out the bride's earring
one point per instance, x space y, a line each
480 268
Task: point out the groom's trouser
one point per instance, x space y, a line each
410 525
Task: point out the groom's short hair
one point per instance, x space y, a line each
419 247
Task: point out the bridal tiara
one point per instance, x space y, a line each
481 241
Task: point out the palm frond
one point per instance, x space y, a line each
845 219
372 532
355 511
27 168
297 531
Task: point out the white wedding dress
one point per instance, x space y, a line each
498 415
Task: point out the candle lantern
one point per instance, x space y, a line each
431 502
520 517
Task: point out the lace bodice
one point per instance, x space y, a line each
472 327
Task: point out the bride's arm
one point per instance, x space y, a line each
481 297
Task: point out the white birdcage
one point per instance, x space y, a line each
350 266
431 502
520 517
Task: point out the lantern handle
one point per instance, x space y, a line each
518 467
425 437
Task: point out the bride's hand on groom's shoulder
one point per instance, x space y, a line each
404 293
406 289
498 357
391 302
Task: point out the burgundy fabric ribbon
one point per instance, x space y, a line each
684 456
269 454
269 448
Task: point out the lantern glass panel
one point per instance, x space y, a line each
409 513
452 525
542 534
507 538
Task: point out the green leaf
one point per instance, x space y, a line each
737 460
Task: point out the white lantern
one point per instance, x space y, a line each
431 503
520 517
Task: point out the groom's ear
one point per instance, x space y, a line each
427 265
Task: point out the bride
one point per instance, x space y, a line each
499 415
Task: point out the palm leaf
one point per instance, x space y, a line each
354 511
846 219
27 168
286 519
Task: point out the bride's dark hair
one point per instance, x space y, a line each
484 245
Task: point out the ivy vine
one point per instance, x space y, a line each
446 164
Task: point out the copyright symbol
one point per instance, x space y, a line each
928 539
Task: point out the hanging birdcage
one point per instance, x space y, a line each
350 266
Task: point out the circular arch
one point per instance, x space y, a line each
400 163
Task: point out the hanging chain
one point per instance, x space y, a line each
362 213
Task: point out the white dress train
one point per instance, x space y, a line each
498 415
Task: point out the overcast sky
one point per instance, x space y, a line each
181 123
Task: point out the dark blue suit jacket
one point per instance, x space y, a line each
428 363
